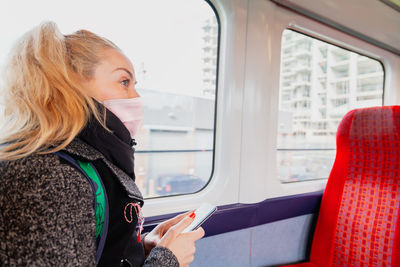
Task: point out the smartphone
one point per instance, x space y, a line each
202 214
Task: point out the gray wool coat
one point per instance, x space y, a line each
47 215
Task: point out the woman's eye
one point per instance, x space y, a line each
125 82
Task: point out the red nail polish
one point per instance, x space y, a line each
192 215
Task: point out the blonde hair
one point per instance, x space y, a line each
45 105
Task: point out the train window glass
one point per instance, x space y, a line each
173 46
319 84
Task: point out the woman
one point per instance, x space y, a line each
72 94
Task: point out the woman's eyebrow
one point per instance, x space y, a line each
127 71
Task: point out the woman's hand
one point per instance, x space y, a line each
154 237
182 244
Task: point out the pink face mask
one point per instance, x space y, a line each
129 111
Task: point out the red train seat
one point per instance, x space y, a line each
358 223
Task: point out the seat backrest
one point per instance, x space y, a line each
358 223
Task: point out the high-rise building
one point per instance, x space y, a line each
210 51
321 82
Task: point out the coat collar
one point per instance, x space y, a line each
81 149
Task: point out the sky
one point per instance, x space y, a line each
164 38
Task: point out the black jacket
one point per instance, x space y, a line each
122 245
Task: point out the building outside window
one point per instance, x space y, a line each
332 81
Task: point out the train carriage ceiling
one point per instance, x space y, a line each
363 18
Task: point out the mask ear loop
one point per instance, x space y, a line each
139 214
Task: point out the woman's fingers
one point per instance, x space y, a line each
161 229
195 235
180 226
176 219
173 232
198 233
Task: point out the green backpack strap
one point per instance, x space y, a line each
100 199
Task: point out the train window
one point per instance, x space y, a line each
173 46
319 84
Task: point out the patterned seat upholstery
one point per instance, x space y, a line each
358 223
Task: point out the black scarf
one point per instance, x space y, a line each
116 146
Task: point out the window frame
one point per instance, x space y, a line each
346 42
164 197
224 183
265 27
348 49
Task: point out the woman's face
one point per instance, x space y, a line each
113 78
